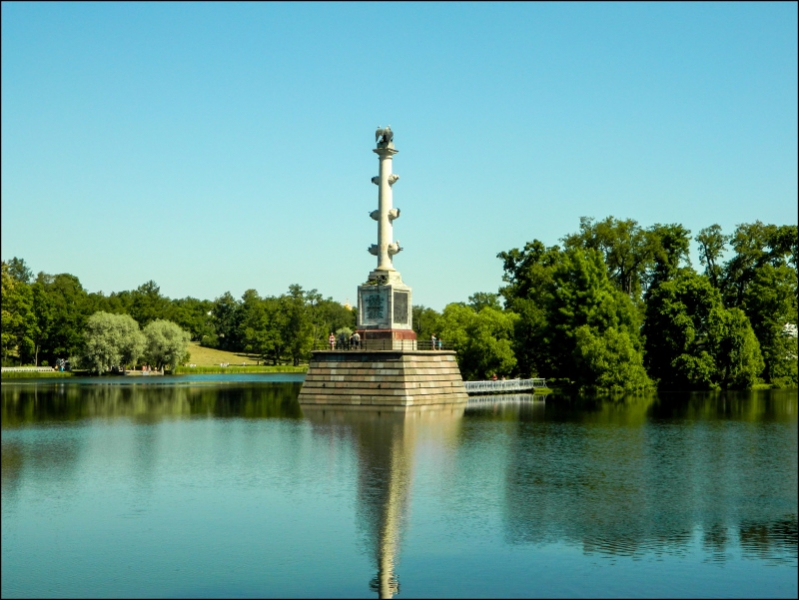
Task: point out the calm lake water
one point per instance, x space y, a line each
201 487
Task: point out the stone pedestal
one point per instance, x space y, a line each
385 316
392 380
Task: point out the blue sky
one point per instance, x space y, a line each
222 147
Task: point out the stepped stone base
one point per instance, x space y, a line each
393 380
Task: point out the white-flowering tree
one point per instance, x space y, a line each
167 344
112 340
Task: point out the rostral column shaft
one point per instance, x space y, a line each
385 230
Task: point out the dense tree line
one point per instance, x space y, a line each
52 316
615 306
619 306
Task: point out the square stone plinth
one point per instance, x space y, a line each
391 379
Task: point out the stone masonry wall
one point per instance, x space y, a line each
389 378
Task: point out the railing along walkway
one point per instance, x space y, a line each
27 369
505 399
503 386
402 345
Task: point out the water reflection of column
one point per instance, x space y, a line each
385 443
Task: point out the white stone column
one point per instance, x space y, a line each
385 233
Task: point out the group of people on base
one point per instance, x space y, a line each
353 342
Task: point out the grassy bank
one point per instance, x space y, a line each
238 369
211 357
36 375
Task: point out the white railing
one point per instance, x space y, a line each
505 399
27 369
503 386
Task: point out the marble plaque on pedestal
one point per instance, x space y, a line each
384 307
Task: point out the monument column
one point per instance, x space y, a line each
385 200
387 371
384 301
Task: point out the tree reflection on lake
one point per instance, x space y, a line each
644 474
440 502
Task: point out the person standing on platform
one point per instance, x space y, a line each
332 341
433 342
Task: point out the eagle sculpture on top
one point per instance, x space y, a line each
386 134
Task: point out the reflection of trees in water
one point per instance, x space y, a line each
775 540
646 481
47 456
10 467
754 406
50 457
386 443
27 404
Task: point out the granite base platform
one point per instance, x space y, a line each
393 380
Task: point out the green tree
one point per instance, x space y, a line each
483 341
194 316
112 340
756 245
770 302
693 342
63 305
19 271
480 300
627 250
528 274
712 243
670 251
736 351
226 319
44 311
19 327
298 327
609 361
426 321
167 344
582 295
147 304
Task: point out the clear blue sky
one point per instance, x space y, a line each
222 147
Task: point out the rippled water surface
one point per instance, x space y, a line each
225 487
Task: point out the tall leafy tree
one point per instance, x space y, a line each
755 245
19 326
194 316
19 271
627 250
298 327
608 360
480 300
712 243
426 321
147 304
226 319
167 344
263 327
770 301
64 311
483 340
670 246
111 340
582 296
528 274
692 341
